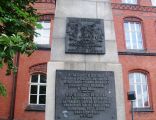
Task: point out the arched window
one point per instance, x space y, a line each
133 34
129 1
138 83
37 92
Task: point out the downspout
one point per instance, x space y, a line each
14 86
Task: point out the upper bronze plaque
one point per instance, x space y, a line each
85 36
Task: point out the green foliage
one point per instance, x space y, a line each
2 90
17 22
9 46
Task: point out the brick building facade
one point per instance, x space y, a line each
22 107
138 62
135 29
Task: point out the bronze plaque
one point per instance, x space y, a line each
85 95
84 36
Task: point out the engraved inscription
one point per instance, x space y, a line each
85 36
85 95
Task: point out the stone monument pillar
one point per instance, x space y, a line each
84 80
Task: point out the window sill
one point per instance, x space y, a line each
43 46
137 52
130 4
38 108
143 110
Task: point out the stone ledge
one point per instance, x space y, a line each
37 108
143 110
43 47
45 1
137 53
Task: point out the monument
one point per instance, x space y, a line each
84 80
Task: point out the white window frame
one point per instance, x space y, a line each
141 83
38 84
130 32
153 2
43 39
130 1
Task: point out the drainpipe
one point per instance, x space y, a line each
14 86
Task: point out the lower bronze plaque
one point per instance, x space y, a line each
85 95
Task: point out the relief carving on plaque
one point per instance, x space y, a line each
85 36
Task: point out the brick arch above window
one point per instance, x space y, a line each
46 17
143 71
39 68
133 19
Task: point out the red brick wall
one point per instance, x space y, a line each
143 63
45 8
5 101
22 92
131 62
39 68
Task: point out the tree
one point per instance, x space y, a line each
17 21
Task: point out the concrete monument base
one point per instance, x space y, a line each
84 28
91 66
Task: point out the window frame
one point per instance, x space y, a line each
138 108
136 21
38 37
38 84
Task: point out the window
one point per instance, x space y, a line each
130 1
37 89
153 2
44 33
133 35
138 83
